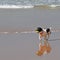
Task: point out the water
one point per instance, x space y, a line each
22 46
27 3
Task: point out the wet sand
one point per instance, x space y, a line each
23 46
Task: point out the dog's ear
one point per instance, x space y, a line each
39 29
48 30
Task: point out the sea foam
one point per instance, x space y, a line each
15 6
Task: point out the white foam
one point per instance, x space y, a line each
16 32
4 32
28 32
15 6
53 6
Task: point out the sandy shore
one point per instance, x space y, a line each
23 46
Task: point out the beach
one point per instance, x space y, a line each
24 46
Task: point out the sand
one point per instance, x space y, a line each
24 46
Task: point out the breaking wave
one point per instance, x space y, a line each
47 6
28 6
16 6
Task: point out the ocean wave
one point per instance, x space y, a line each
54 5
29 6
16 6
47 6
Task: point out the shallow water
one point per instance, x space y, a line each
23 46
